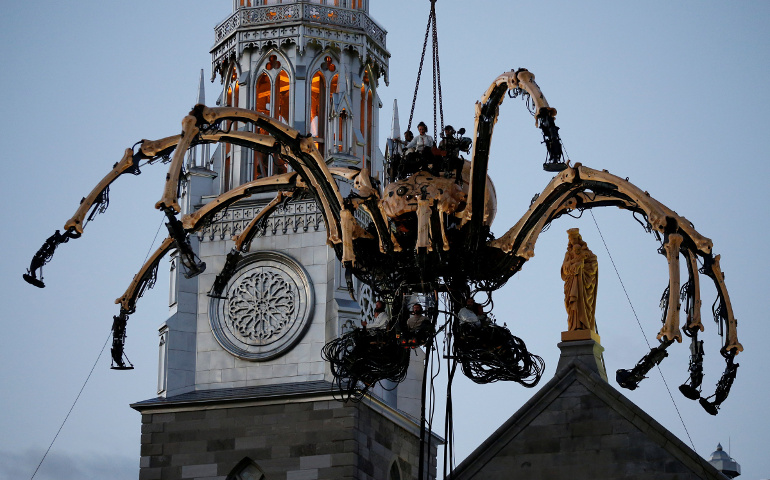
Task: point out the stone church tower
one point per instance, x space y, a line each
243 392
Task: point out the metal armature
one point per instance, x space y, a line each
424 236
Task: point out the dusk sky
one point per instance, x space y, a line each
671 95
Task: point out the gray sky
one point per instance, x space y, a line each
669 94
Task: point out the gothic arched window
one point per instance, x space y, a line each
395 472
262 95
246 469
282 90
318 107
369 128
282 102
271 98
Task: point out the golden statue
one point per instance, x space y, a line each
580 272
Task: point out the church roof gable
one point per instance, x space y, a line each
576 423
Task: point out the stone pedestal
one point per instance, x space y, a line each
589 352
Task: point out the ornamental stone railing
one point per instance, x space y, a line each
295 217
300 11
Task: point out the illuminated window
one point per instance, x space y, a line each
231 100
362 111
262 95
262 105
281 108
281 112
318 106
272 99
369 128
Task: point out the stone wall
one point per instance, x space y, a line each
322 439
578 427
581 437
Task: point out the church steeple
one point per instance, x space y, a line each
315 65
235 357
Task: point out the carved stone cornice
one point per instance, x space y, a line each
302 24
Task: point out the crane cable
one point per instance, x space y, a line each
88 377
438 107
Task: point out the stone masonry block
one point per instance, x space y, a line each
182 341
302 475
160 461
336 473
234 374
220 445
306 256
152 428
163 417
315 461
206 341
183 443
151 449
347 458
150 474
280 451
250 443
320 255
294 241
280 371
221 360
193 471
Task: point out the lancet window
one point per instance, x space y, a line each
318 108
271 98
322 113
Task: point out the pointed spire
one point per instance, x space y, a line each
395 128
201 92
192 158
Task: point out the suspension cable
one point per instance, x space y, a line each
436 74
438 108
640 328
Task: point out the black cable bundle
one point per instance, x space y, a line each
489 353
361 358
